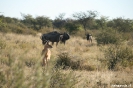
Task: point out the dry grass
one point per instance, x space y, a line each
22 53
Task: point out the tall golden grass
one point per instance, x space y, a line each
20 65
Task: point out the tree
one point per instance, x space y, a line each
123 25
85 18
26 18
109 36
71 26
36 23
59 22
29 21
43 21
102 22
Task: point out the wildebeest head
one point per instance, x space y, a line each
44 41
88 36
65 36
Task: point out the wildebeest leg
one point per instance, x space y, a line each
52 43
88 41
64 42
56 43
91 40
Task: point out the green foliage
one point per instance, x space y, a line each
3 25
2 44
108 36
119 55
63 80
14 25
58 23
15 74
36 23
102 22
122 25
71 27
65 61
42 23
85 18
20 29
2 80
12 72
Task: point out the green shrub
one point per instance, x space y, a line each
119 55
2 80
108 36
71 27
2 44
63 80
30 63
65 61
18 28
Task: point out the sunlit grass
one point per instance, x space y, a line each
21 64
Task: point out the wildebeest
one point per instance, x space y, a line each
55 37
89 37
46 53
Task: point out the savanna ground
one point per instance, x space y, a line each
20 65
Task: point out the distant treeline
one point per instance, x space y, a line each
79 22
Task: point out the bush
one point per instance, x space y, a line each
119 55
2 44
71 27
15 74
108 37
65 61
63 80
2 79
18 28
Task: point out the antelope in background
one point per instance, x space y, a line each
46 53
89 38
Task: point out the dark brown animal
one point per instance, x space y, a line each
89 38
55 37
